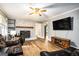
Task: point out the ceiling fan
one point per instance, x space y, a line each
38 11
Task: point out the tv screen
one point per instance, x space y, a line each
63 24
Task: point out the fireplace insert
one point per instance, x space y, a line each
25 34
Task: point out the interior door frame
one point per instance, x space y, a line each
45 34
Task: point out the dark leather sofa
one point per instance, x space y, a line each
65 52
11 48
14 47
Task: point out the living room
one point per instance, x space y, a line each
39 29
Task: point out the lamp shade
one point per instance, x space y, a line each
12 33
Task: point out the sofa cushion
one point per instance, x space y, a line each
14 49
44 53
75 53
11 43
55 53
70 49
65 52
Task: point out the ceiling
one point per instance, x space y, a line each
20 11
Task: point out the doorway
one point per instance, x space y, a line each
45 31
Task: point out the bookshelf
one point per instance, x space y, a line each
11 24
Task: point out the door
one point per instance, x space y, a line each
45 31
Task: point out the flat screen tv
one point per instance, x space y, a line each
63 24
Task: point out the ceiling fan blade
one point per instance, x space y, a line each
43 10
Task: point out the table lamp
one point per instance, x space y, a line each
13 33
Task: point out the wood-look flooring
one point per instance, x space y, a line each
34 47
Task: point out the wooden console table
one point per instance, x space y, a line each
62 42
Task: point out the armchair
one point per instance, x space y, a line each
11 48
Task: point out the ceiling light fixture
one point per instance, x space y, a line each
38 11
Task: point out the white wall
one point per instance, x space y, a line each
42 29
38 30
73 35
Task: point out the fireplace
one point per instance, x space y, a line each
25 34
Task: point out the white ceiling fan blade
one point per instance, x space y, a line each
43 10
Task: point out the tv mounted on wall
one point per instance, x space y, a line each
63 24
